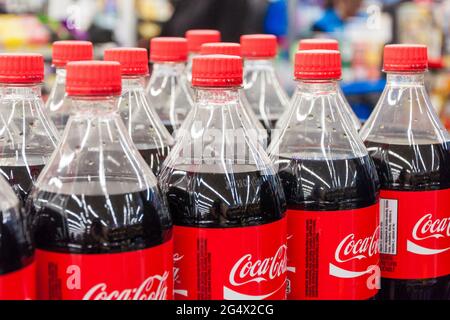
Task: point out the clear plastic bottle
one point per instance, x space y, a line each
224 196
63 52
324 44
331 187
99 222
168 88
146 130
410 148
247 115
27 135
195 38
17 268
261 85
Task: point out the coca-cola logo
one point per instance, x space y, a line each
247 269
426 228
152 288
353 248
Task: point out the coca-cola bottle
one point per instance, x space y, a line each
146 130
168 90
63 52
410 148
195 38
99 222
262 87
331 189
224 196
27 135
17 267
247 115
324 44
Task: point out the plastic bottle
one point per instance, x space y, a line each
168 90
99 222
224 196
261 85
145 128
63 52
27 135
331 187
410 148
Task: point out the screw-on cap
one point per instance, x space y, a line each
93 78
227 48
258 46
197 37
133 61
168 49
318 44
405 57
21 68
217 70
68 51
317 64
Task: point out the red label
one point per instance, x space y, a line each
415 234
137 275
231 263
333 254
19 285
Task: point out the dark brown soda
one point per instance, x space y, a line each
21 179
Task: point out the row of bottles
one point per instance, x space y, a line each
301 216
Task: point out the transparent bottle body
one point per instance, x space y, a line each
353 117
97 194
27 136
169 94
322 161
410 148
264 92
254 128
58 104
217 175
148 133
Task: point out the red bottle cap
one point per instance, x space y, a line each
21 68
405 57
318 44
68 51
258 46
133 61
197 37
168 49
93 78
318 64
227 48
217 70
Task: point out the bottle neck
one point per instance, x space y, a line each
133 83
317 87
259 64
22 91
217 96
416 79
168 68
87 106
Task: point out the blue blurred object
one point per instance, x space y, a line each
329 22
363 87
276 20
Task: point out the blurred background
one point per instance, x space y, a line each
361 26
